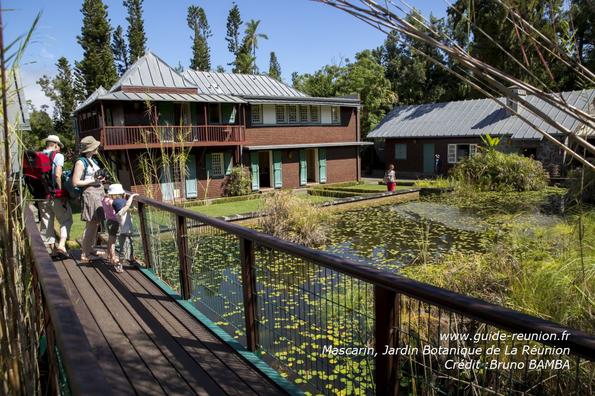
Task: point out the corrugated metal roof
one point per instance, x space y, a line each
92 98
240 84
479 117
307 101
170 97
151 71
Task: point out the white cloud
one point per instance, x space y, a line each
33 92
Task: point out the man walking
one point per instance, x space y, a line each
55 206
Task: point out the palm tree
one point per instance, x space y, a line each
251 40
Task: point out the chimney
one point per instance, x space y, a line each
511 102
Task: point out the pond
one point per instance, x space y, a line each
301 307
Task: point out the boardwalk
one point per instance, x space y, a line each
147 344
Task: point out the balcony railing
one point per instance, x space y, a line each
119 137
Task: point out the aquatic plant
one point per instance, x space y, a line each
288 217
496 171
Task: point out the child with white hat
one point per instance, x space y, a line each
115 208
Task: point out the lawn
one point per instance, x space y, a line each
214 210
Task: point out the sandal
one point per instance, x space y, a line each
118 268
87 260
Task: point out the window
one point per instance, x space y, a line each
256 114
217 166
314 114
292 114
400 151
335 115
280 114
459 152
303 113
214 113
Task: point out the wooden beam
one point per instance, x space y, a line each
249 292
185 283
387 315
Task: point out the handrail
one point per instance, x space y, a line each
85 376
580 343
115 136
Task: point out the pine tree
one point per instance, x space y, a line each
197 21
274 67
97 66
136 29
61 90
234 22
120 50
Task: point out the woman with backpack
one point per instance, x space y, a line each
84 177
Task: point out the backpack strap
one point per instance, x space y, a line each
85 162
52 155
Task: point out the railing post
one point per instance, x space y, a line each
185 287
249 292
387 316
144 236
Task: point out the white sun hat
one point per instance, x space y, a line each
54 139
115 189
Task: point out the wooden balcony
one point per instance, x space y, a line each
135 137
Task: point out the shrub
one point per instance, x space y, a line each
288 217
582 189
496 171
239 182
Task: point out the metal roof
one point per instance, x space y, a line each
151 71
479 117
170 97
240 84
307 145
92 98
339 101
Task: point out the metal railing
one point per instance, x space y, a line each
115 137
73 367
324 321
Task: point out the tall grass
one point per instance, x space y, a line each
288 217
20 327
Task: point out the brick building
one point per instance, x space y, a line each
411 136
286 138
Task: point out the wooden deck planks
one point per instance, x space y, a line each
148 344
193 346
133 365
105 356
222 351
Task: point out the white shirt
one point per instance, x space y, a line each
92 167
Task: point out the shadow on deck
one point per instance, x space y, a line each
148 344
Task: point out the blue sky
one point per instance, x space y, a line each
305 35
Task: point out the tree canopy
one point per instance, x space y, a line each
120 50
197 21
274 67
136 29
97 67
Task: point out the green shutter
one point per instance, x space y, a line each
303 168
208 164
228 163
277 163
322 165
255 170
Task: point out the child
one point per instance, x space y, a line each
121 207
115 213
390 178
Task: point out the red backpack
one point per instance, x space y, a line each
38 173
